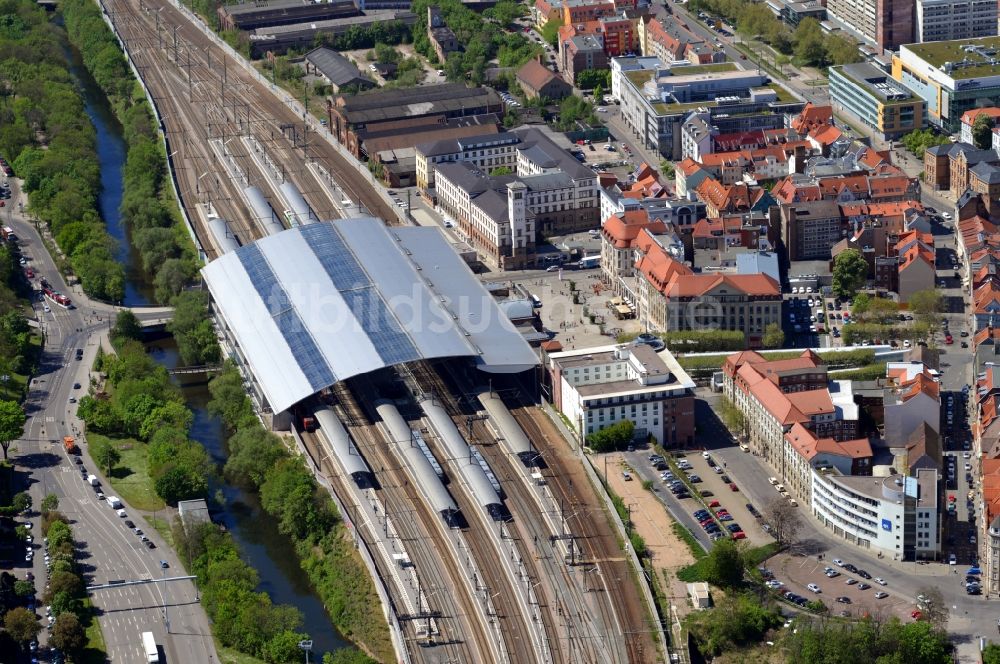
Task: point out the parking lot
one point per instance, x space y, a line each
798 572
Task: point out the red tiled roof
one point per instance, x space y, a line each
811 117
808 446
969 117
622 229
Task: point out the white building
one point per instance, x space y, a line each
893 515
946 20
597 387
487 152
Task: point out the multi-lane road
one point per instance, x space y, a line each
108 550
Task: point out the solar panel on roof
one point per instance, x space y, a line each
333 254
299 340
263 279
390 341
304 349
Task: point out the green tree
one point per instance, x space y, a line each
348 656
49 503
927 303
550 33
127 326
105 454
841 49
982 131
193 330
733 418
11 424
990 654
613 437
68 634
284 647
21 502
667 169
724 564
598 94
810 46
774 336
23 588
64 582
850 272
253 451
21 624
180 482
501 170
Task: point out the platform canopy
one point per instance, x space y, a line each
322 302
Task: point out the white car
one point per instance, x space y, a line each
881 595
121 513
814 588
838 562
879 580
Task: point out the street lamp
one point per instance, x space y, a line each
306 645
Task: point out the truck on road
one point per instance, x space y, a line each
114 502
149 647
70 444
93 481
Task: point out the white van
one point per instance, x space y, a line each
780 488
93 481
772 480
114 502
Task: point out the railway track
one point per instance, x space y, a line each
203 95
588 627
596 538
461 638
515 626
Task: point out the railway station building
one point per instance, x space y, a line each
308 307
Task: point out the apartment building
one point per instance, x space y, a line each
871 96
915 252
581 53
673 41
600 386
775 395
810 230
969 119
804 453
880 187
945 20
912 399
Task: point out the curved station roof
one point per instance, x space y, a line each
320 303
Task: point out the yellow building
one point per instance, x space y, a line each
870 95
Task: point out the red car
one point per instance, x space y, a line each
947 339
29 273
739 534
714 503
916 615
733 487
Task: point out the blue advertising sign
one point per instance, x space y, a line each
887 525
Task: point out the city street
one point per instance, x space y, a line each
968 619
108 550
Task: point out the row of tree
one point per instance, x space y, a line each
147 204
64 593
304 512
46 135
807 44
143 404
